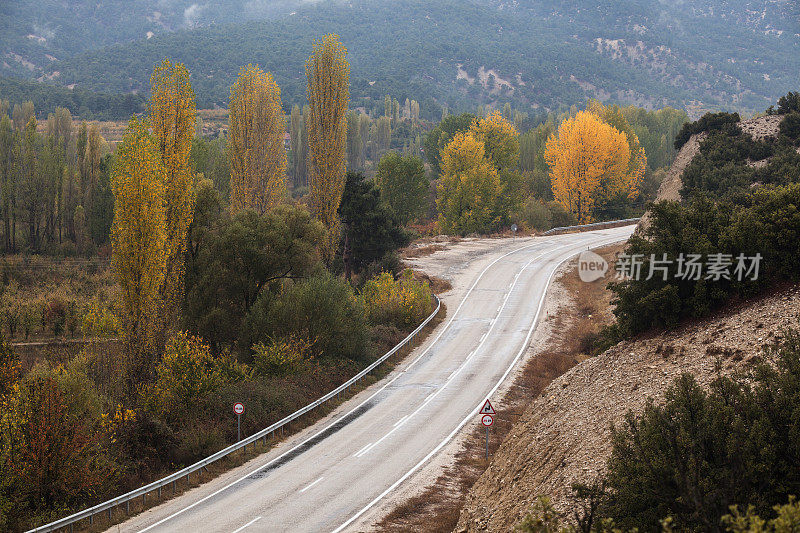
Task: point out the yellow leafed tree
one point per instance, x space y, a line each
587 157
173 116
468 189
328 74
628 186
138 234
255 145
500 139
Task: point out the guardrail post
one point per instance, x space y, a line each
174 486
144 500
109 514
159 493
128 507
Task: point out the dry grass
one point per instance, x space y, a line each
422 251
437 509
437 285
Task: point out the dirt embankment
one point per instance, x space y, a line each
563 436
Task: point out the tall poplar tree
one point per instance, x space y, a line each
173 116
295 123
139 239
328 74
255 146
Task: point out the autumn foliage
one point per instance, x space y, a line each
255 145
328 74
172 118
403 302
590 162
138 234
469 188
500 140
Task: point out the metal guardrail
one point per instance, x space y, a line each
263 434
559 229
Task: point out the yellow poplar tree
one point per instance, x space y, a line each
469 187
500 139
173 116
138 234
585 157
255 144
328 74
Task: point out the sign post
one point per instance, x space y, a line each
487 419
238 408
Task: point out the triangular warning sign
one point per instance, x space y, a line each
487 409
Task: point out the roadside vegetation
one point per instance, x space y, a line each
718 460
740 196
211 295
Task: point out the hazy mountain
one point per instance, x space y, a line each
543 54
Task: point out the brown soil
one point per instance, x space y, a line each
564 435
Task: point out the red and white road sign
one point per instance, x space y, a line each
487 409
487 420
238 408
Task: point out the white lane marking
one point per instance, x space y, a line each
314 483
401 420
477 407
250 523
467 360
287 452
359 452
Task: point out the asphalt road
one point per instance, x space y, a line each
325 479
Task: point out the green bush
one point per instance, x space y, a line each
534 215
323 309
702 452
766 222
789 103
708 122
790 127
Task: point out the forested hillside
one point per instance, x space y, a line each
735 54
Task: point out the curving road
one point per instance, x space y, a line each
326 478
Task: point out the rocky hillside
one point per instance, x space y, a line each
564 436
670 188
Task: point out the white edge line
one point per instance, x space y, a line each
477 408
421 355
312 484
399 421
250 523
